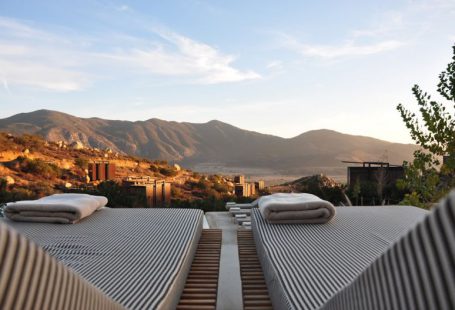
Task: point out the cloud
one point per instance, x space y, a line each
388 23
343 50
34 58
5 86
32 74
386 32
275 65
123 8
40 59
184 57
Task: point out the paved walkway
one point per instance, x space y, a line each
229 283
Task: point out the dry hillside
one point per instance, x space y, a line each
214 144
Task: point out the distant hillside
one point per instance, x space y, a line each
31 167
211 146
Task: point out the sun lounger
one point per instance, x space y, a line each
306 265
31 279
246 223
139 258
236 212
253 204
240 220
417 272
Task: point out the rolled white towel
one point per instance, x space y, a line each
283 208
58 208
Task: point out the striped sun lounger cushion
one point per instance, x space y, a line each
138 257
417 272
305 265
31 279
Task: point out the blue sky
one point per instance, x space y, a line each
277 67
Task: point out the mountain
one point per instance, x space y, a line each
214 144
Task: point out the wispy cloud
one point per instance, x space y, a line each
389 23
5 85
123 8
181 56
275 65
383 35
37 58
345 49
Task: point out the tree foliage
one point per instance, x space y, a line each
432 128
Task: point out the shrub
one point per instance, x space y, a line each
39 166
168 171
154 168
30 141
16 194
221 187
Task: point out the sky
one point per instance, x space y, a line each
276 67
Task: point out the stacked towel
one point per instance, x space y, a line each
58 208
295 209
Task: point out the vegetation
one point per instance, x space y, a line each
434 130
34 191
374 193
319 185
39 167
168 171
117 195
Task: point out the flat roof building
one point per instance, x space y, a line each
101 171
260 185
374 172
245 190
157 193
240 179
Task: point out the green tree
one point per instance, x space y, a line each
434 131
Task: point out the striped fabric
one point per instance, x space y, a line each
306 265
138 257
417 272
31 279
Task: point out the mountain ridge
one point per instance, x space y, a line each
195 144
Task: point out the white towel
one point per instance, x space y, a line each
58 208
294 208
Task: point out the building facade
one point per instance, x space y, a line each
157 193
245 190
375 172
242 188
101 171
260 185
239 179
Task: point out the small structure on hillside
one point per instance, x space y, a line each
240 179
157 193
260 185
374 172
101 171
247 189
